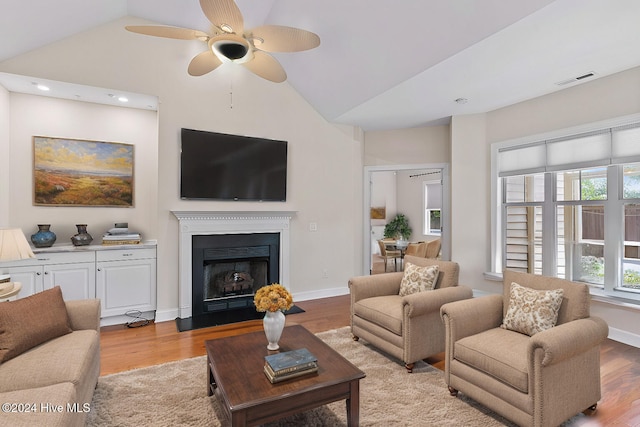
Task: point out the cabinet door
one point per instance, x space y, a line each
77 281
29 276
126 285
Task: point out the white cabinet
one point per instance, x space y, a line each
126 280
73 272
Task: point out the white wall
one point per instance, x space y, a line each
37 115
383 194
411 202
111 57
5 161
429 144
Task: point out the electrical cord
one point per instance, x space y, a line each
138 320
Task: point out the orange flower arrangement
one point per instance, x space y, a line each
272 298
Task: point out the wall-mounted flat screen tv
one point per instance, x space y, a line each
218 166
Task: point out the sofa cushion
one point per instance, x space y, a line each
384 311
531 311
42 401
28 322
418 279
68 358
499 353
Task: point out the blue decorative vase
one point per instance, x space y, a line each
82 238
44 238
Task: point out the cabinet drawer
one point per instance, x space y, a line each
65 257
125 254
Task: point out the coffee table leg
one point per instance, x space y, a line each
353 404
212 380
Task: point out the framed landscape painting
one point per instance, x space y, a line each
74 172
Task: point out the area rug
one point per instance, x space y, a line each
175 394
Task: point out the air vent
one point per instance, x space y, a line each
576 79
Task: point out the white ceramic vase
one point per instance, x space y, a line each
273 323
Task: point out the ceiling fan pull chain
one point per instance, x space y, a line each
231 94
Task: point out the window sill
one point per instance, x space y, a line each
596 294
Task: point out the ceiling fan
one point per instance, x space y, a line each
229 42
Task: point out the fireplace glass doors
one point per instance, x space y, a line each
228 269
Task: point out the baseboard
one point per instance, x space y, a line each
123 319
324 293
166 315
624 337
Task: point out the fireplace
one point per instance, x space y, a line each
227 269
194 224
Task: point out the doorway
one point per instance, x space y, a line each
420 192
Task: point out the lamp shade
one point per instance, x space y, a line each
13 245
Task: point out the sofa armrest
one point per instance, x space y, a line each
569 339
471 316
84 314
430 301
376 285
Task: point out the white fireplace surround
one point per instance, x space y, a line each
193 223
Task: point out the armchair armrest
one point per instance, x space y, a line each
425 302
84 314
472 316
374 286
568 339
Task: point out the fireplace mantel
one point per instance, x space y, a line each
192 223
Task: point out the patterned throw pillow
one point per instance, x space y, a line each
418 279
531 311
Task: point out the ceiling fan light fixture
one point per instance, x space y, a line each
231 48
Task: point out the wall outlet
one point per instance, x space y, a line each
313 226
325 274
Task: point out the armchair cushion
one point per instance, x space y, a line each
384 311
418 279
499 353
531 311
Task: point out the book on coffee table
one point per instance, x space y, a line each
290 361
288 375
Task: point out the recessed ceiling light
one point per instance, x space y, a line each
41 86
123 99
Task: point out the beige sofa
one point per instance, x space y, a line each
52 383
527 370
407 327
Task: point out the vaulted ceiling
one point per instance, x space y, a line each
390 65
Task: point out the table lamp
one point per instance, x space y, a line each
13 246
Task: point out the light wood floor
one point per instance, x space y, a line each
125 348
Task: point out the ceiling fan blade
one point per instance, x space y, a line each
278 38
203 63
224 14
267 67
168 32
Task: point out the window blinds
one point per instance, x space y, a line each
599 148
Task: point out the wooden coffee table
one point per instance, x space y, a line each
236 376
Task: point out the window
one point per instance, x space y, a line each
432 207
570 207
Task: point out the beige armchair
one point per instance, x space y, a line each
538 380
406 327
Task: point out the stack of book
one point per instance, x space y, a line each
121 236
289 364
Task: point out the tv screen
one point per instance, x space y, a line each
218 166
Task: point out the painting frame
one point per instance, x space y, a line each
83 173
